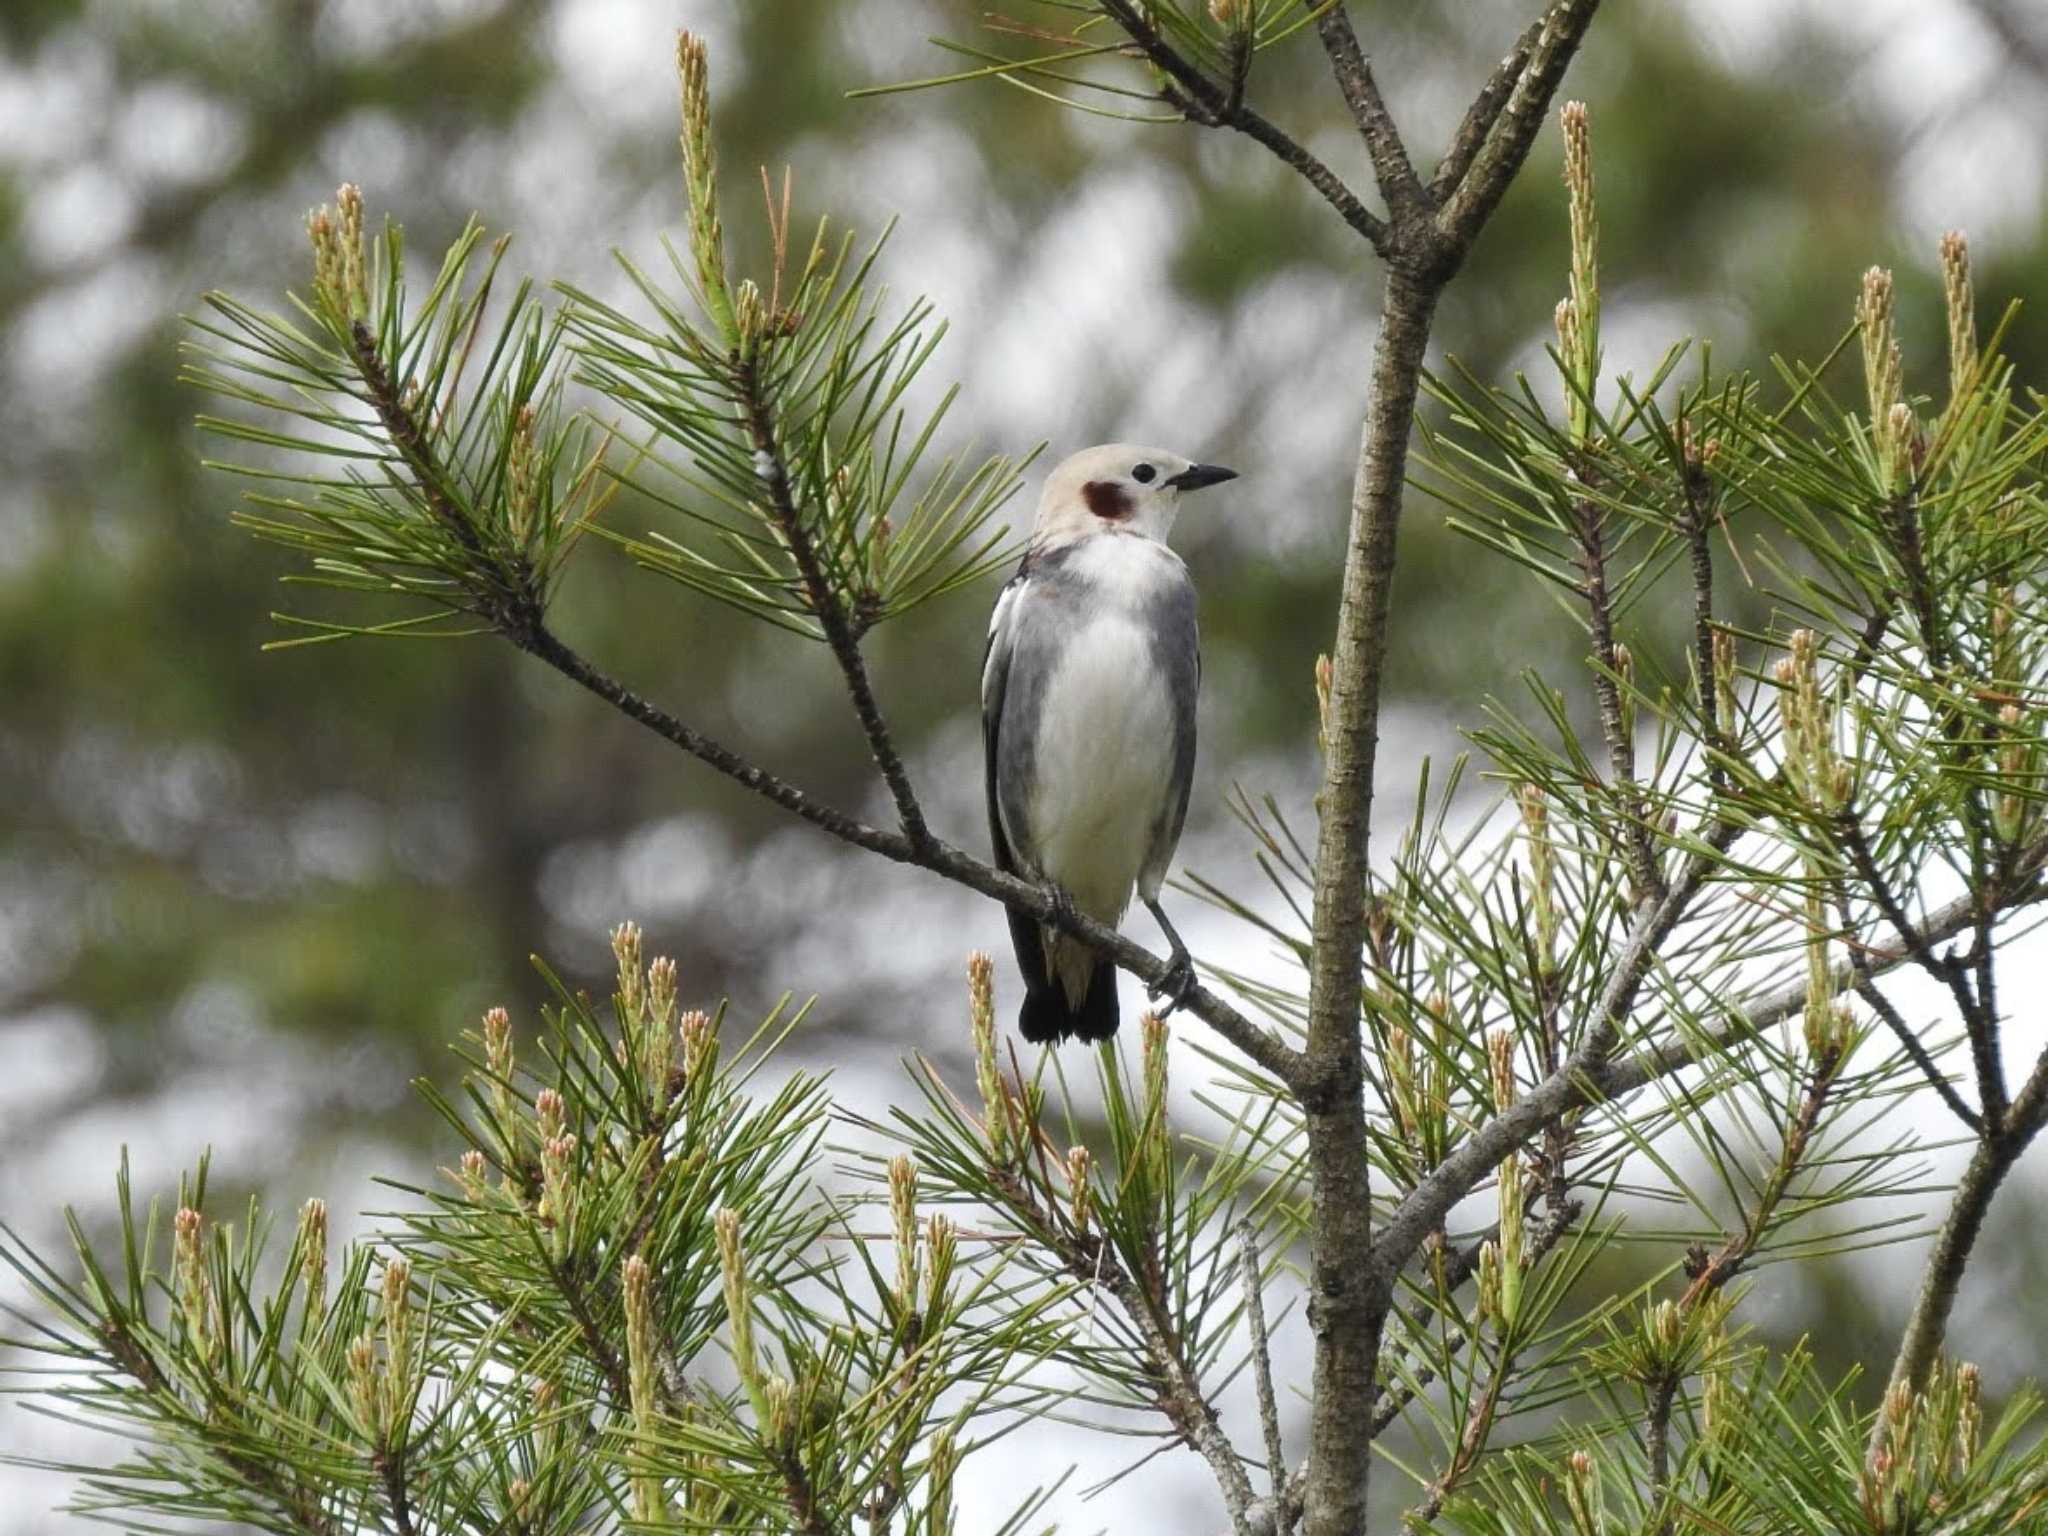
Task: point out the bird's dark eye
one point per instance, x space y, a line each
1144 474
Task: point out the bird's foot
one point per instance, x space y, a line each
1178 984
1064 910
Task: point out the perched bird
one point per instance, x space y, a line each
1088 721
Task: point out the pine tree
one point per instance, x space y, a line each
1652 979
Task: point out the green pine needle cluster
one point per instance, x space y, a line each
632 1304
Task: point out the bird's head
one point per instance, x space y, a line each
1118 486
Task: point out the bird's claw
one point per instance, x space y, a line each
1064 910
1176 985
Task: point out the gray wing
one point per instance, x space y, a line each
1177 652
995 684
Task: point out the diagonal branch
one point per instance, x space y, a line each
1262 1357
1480 117
1480 189
826 604
1391 167
1264 1046
1887 1011
1091 1260
1981 1026
1202 100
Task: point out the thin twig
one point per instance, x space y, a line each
1982 1031
1621 750
1394 1401
1090 1259
391 1473
1262 1045
826 604
1262 1358
1192 93
1883 1007
1657 1441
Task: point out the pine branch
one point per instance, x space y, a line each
1392 169
826 604
1588 1076
1494 165
1982 1031
1262 1358
1261 1044
1621 750
1194 94
1477 124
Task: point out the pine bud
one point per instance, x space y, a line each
365 1390
942 1246
470 1173
1666 1326
1580 338
699 1034
522 478
626 951
1500 1060
340 267
1512 1202
1969 1417
1725 703
1156 1149
700 182
1883 371
313 1259
903 1213
642 1370
1625 687
558 1190
778 1412
1489 1282
1566 318
550 1113
944 1463
981 1019
348 203
739 1303
661 992
194 1286
1081 1185
1962 316
399 1332
1535 808
1582 1494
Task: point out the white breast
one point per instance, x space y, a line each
1105 744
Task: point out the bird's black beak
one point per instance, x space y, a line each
1195 476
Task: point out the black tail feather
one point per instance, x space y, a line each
1045 1015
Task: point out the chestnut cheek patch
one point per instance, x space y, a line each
1107 500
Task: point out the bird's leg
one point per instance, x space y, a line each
1179 979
